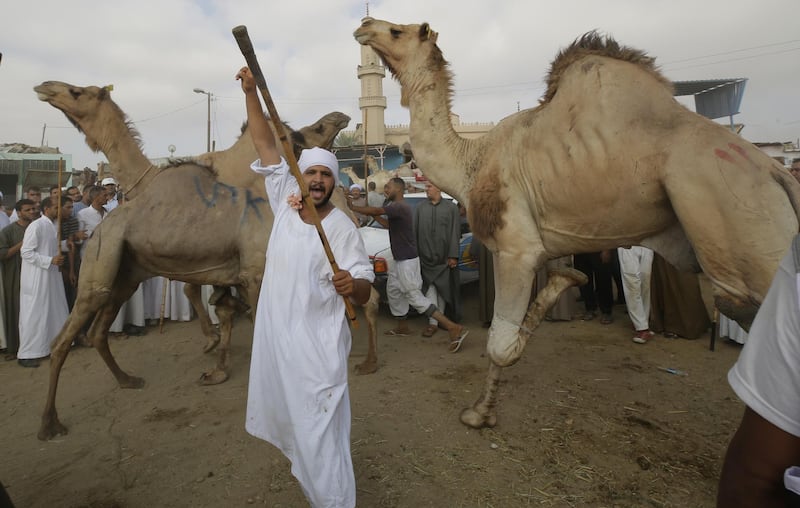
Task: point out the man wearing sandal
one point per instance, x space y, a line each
404 284
437 224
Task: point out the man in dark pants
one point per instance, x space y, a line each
597 267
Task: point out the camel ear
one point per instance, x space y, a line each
425 33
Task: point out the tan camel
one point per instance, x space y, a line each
608 159
92 111
380 177
107 129
241 222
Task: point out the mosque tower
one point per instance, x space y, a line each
372 102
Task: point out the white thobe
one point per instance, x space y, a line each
42 301
731 329
132 311
4 221
177 306
635 265
298 396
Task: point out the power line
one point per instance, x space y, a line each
137 122
732 51
736 59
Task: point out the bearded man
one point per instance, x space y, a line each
298 396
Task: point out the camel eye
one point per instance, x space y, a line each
395 32
75 93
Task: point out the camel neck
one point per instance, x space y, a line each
438 149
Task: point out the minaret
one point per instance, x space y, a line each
372 101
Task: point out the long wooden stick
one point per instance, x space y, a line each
58 203
246 46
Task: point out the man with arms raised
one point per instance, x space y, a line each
298 396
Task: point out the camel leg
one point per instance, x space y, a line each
192 292
481 414
98 333
739 247
81 313
370 364
85 308
227 307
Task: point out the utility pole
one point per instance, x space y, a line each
208 124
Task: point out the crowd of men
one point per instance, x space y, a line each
41 244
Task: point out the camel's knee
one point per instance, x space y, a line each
743 312
504 346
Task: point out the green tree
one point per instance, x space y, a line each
345 138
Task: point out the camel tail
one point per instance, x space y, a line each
792 189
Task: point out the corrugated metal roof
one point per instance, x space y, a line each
702 85
713 98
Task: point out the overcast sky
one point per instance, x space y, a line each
155 52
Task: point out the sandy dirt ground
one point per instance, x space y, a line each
586 418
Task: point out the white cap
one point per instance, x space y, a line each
108 181
356 186
318 157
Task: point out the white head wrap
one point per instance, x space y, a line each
356 186
319 157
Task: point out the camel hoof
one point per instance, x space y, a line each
214 377
474 419
211 344
132 382
368 367
50 430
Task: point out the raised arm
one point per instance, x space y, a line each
373 211
260 130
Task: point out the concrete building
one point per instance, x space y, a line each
783 152
22 166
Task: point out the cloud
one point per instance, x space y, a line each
155 53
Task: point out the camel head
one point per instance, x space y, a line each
322 132
408 51
87 108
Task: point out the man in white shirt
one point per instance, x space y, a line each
760 466
90 217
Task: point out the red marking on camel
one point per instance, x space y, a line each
738 149
722 154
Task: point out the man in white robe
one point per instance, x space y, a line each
42 303
298 396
